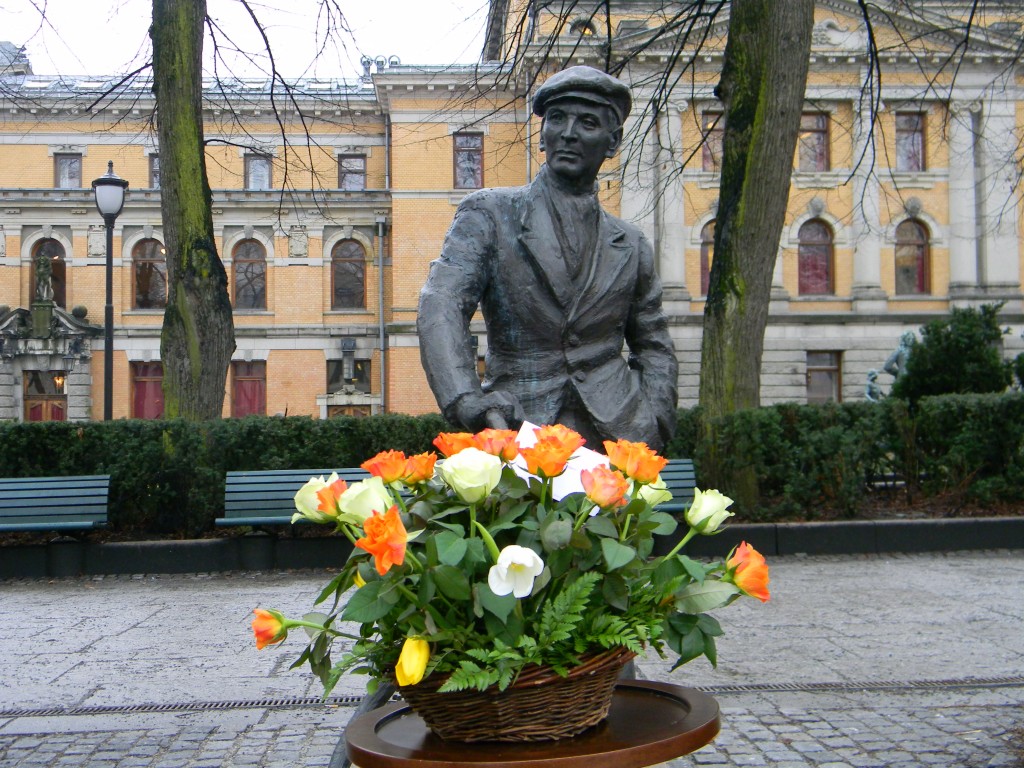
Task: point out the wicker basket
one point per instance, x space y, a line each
540 706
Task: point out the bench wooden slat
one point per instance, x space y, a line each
77 502
266 497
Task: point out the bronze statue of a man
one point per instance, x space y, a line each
562 286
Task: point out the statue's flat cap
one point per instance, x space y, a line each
586 84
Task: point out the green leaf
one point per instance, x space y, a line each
365 605
452 582
699 598
616 555
666 571
665 523
600 525
450 547
499 605
615 591
426 591
691 647
697 571
331 588
556 534
709 626
315 617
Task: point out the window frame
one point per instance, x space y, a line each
251 158
255 371
362 381
458 151
712 137
161 268
833 366
918 133
922 257
336 261
343 173
57 158
707 255
236 261
147 378
154 171
830 257
823 141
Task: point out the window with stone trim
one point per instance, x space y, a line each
707 255
154 171
149 270
248 388
910 155
147 390
713 132
67 171
352 172
468 160
249 265
813 143
824 377
348 275
912 273
54 251
348 375
815 259
258 174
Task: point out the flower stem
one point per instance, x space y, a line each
675 550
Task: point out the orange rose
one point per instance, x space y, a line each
498 442
450 443
636 460
546 458
385 539
268 627
328 497
419 468
389 466
749 571
605 487
561 435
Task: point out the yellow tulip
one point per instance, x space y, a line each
412 662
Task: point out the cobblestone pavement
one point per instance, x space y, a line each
861 661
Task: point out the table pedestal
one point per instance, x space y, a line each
649 723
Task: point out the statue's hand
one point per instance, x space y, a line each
499 410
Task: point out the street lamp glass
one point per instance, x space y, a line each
109 191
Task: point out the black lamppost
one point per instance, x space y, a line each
109 191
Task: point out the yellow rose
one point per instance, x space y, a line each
364 498
308 501
655 493
708 511
471 473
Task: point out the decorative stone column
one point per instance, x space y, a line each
638 159
963 203
1000 248
865 228
671 220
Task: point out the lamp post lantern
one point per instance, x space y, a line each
109 190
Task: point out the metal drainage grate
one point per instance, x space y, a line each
353 701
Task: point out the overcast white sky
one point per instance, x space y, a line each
105 37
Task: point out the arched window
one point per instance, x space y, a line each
814 254
707 254
149 265
348 275
912 258
54 251
250 267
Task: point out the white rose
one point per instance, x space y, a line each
655 493
364 498
708 511
307 502
515 571
471 473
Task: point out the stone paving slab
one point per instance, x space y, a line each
877 627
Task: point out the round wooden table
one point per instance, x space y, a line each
649 723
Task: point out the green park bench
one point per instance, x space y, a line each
75 503
266 497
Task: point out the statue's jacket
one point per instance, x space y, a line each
545 334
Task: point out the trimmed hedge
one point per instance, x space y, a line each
167 477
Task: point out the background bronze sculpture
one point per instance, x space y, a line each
563 287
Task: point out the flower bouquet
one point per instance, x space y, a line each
478 579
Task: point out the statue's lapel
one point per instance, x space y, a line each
613 254
541 244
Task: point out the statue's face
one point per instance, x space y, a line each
577 137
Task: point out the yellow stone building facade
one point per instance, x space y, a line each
329 209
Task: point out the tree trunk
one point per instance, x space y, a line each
198 334
764 76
